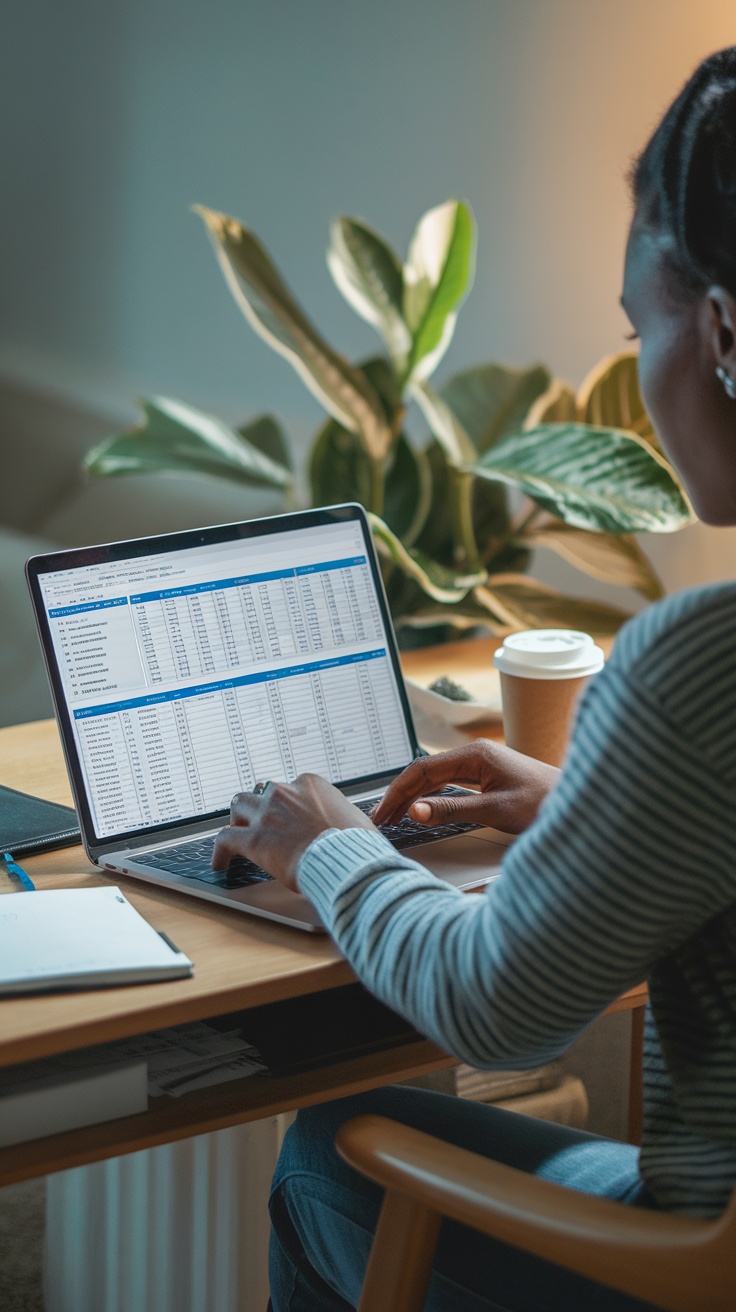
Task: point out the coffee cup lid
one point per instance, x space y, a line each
549 654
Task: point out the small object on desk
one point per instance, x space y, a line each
79 938
13 879
443 722
30 824
445 687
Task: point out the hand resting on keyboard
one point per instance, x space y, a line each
511 788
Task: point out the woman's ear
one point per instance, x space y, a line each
722 329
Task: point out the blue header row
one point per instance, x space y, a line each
222 685
89 605
244 579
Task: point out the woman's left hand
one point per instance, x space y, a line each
275 828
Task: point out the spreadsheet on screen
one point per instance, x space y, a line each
190 674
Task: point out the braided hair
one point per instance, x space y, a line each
684 182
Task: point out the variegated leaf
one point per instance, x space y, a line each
523 603
493 400
558 405
435 580
609 397
369 275
437 275
614 558
260 291
592 478
175 437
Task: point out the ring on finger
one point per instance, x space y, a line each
261 787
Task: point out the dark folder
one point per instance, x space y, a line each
29 824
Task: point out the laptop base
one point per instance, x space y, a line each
458 861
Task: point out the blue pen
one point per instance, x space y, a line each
13 869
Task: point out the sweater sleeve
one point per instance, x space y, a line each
630 854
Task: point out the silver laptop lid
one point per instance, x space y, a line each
188 666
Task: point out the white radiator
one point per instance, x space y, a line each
181 1228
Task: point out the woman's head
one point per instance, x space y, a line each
680 283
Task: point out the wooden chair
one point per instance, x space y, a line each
678 1264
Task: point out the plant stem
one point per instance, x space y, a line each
376 490
517 528
525 520
461 514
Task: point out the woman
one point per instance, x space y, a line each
624 869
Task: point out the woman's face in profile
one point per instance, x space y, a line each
693 419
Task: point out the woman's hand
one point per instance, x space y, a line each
275 828
511 787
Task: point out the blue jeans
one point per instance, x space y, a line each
323 1214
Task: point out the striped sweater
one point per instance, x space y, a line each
628 873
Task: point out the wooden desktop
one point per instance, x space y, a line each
240 962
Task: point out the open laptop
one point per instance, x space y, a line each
188 666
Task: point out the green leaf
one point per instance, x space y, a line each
616 559
436 538
341 387
558 405
175 437
609 397
269 438
490 514
369 275
498 549
523 603
594 478
407 492
444 425
464 615
382 377
437 275
339 469
492 400
436 580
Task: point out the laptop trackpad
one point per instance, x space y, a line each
464 861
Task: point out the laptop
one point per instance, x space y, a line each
188 666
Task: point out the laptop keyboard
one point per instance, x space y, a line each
192 860
409 833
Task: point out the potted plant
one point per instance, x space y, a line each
514 459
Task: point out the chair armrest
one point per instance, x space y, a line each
668 1260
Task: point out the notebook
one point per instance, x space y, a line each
189 666
78 938
29 824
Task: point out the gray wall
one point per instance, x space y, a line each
285 112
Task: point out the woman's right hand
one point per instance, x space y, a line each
511 788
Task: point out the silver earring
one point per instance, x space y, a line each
729 386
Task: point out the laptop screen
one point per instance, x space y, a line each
190 672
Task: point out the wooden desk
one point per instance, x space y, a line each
239 961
